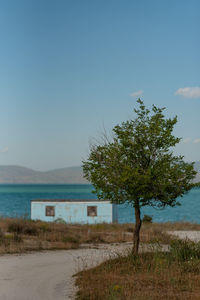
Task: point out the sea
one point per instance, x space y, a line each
15 200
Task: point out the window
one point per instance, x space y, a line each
92 211
50 211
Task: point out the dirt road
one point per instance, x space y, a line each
47 275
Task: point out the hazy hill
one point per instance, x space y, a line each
17 174
197 166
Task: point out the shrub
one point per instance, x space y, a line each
184 250
71 239
130 229
44 227
95 238
23 227
30 229
1 236
60 221
17 238
147 219
16 226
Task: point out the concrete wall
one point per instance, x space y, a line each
72 212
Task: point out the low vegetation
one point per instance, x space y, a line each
22 235
160 275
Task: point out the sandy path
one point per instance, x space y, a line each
47 275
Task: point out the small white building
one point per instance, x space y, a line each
72 211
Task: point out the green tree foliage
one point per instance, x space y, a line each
138 165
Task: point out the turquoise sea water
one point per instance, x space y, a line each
15 201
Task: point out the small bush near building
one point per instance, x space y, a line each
60 221
147 219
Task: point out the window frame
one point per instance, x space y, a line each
50 208
92 210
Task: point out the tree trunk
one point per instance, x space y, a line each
136 235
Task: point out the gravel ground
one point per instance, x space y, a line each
191 235
48 275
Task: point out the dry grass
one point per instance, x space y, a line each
152 276
18 235
176 226
21 235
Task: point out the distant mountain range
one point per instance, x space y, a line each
17 174
197 168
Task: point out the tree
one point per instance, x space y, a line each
138 165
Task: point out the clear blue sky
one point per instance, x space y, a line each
69 68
